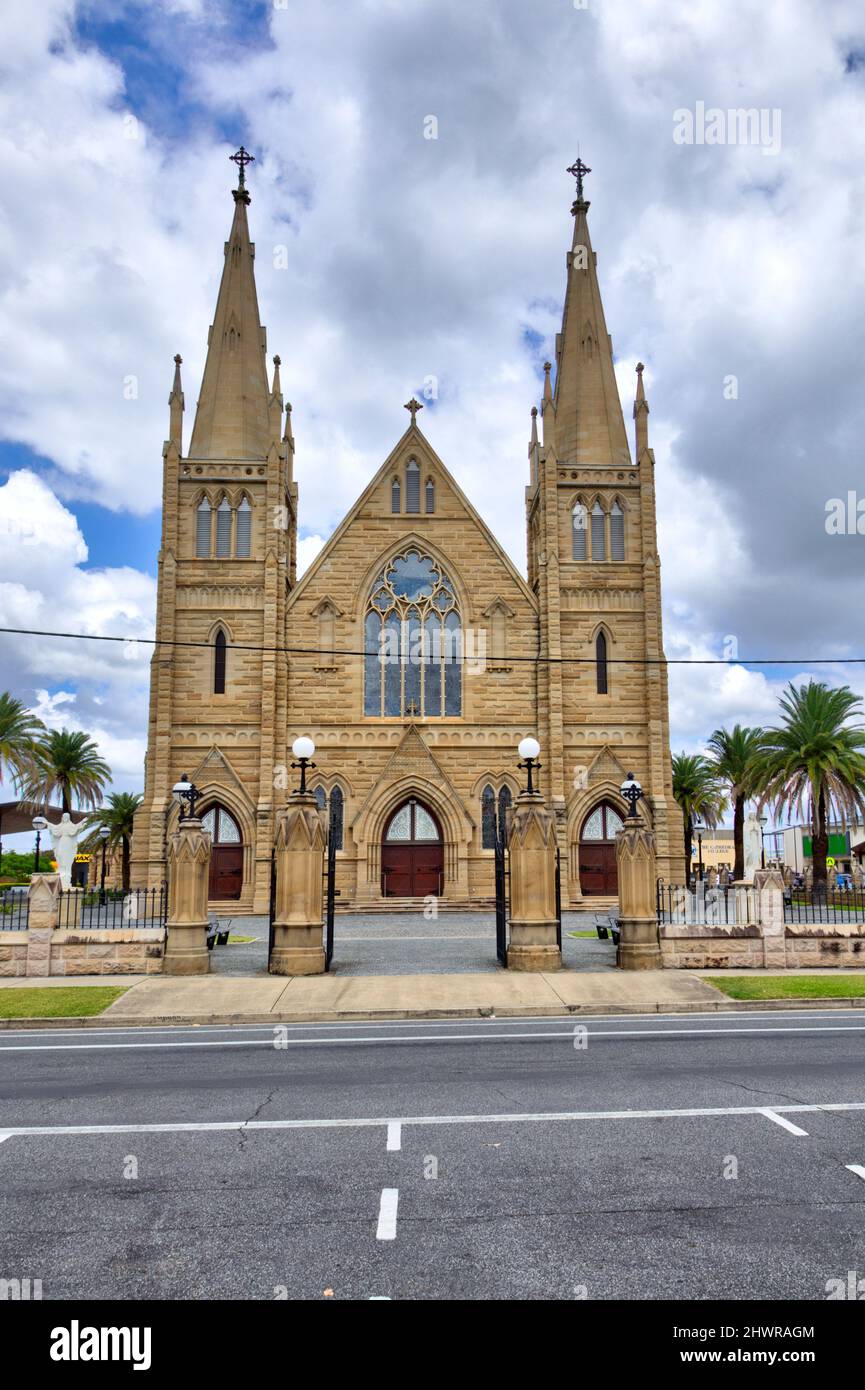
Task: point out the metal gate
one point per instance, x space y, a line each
502 873
331 892
272 909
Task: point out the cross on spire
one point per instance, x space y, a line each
578 170
413 406
241 159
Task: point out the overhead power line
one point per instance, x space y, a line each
471 659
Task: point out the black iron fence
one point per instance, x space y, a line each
502 880
14 909
834 906
114 910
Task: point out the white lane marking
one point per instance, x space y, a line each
177 1029
429 1037
785 1124
4 1135
530 1117
857 1169
394 1136
387 1214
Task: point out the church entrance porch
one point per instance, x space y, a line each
598 874
412 854
226 856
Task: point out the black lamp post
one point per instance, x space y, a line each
104 832
631 791
529 749
303 749
39 824
699 828
185 794
762 820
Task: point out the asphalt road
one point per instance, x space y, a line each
685 1157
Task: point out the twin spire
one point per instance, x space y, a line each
583 414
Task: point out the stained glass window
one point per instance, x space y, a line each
412 823
337 809
400 826
504 807
601 664
222 826
421 634
603 824
321 797
219 663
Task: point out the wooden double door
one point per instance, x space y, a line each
412 854
226 855
599 876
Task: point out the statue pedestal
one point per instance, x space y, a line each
298 922
639 942
532 854
186 950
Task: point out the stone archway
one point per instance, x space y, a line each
412 853
597 851
226 855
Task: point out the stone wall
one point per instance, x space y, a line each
802 946
46 952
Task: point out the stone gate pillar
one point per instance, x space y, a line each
532 855
298 923
639 942
186 950
42 920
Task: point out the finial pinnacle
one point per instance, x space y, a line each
578 169
241 159
413 406
178 359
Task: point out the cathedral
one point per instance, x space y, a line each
412 651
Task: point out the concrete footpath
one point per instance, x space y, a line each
329 998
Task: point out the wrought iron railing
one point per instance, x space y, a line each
829 906
14 909
114 910
720 906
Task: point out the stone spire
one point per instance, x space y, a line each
589 427
176 405
233 417
641 416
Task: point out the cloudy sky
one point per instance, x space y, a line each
734 270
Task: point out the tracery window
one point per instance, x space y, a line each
413 642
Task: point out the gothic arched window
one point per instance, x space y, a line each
504 807
223 530
394 496
488 818
219 663
412 486
337 810
412 642
580 522
430 496
601 664
243 536
599 539
617 533
202 530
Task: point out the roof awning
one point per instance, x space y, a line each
16 816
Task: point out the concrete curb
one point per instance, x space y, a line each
426 1015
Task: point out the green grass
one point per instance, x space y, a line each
582 933
789 986
240 940
66 1001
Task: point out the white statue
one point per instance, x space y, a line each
753 845
64 842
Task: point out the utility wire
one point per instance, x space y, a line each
499 660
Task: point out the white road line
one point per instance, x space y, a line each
387 1214
785 1124
531 1117
431 1037
394 1136
857 1169
4 1135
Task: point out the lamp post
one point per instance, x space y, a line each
699 827
529 749
39 824
631 791
186 794
761 821
104 832
303 749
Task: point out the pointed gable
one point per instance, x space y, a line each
232 420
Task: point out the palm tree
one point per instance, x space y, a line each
700 792
19 732
814 763
734 752
67 762
117 817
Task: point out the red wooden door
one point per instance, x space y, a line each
598 875
396 871
226 872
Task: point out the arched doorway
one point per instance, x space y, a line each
412 853
598 874
226 855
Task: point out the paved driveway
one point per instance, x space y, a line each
394 943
